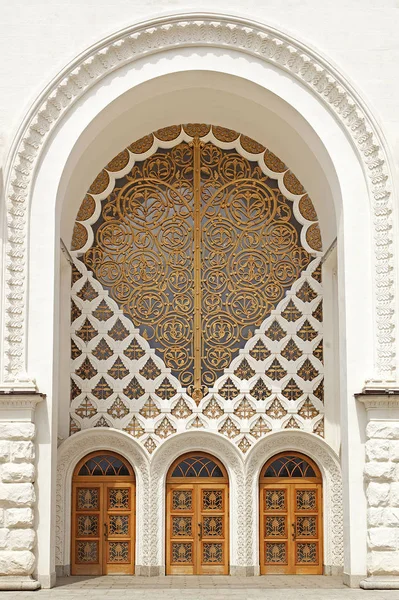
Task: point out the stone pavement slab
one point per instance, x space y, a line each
202 588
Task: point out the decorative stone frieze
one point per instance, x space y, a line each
382 480
17 493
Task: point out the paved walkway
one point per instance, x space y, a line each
271 587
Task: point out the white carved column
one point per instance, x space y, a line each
17 493
382 481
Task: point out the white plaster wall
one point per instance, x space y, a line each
40 37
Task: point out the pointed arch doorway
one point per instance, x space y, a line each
197 517
291 523
103 510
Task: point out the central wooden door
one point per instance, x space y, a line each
291 516
197 517
103 510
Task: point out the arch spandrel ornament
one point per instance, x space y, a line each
156 36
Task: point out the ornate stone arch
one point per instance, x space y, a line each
70 452
194 30
229 455
328 463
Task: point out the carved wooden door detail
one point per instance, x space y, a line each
291 517
103 514
197 521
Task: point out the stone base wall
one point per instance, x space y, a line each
382 476
17 497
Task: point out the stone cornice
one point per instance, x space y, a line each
175 32
19 406
379 398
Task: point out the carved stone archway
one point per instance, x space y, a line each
229 455
328 463
69 454
194 30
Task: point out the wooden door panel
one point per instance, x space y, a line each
307 520
118 551
290 528
213 529
103 528
196 529
274 550
86 529
181 529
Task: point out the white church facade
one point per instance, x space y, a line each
199 303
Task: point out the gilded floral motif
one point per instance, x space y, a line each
275 332
134 428
102 390
165 428
228 390
102 351
276 371
229 428
260 391
103 311
213 410
118 409
276 410
259 351
307 371
86 332
181 410
133 390
306 293
291 312
292 391
118 369
87 292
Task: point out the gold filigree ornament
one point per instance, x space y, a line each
197 245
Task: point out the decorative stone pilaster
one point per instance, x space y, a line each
382 480
17 494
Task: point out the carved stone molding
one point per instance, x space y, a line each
328 463
19 406
225 451
243 484
380 405
175 32
69 454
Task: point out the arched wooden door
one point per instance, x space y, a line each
103 516
291 520
197 519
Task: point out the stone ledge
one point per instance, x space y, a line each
379 398
10 583
16 405
386 582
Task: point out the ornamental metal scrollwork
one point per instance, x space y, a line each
196 245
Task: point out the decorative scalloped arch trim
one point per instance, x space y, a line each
328 463
71 451
193 30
